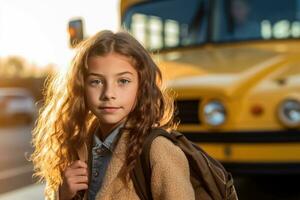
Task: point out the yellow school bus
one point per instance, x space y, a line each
235 66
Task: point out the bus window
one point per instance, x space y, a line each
161 25
172 33
239 20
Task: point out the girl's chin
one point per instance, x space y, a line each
111 123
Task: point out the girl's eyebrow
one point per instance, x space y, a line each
122 73
94 74
101 75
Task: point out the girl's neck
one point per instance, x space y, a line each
106 130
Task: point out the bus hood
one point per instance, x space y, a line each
231 76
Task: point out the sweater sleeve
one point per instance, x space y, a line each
170 178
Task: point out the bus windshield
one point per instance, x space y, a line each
160 24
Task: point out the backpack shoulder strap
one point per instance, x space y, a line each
215 180
141 174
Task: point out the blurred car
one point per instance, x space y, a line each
17 106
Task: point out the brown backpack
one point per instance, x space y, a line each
208 177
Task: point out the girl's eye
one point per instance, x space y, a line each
124 81
95 82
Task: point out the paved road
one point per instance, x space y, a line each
32 192
15 169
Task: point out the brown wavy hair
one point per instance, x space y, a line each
65 122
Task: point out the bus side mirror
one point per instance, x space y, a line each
75 30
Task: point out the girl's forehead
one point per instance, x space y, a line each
110 63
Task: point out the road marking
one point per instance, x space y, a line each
33 192
15 171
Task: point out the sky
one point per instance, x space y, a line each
37 29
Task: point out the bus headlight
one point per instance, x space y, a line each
289 113
214 113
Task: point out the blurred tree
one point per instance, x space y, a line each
16 71
13 66
16 66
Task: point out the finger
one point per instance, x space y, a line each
80 179
76 172
78 164
80 186
72 183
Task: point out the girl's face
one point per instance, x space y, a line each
111 88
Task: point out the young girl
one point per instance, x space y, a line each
94 121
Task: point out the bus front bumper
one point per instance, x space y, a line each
265 152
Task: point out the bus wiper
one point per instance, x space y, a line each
197 18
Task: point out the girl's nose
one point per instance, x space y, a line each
108 93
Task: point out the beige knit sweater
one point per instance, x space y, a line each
170 173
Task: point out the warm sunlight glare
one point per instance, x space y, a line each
37 30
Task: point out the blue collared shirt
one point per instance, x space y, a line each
101 155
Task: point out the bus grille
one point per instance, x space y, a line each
187 111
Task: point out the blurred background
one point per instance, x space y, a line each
34 43
234 65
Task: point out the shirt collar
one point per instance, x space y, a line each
110 140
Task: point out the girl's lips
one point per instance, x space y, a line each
109 109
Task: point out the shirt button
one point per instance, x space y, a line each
96 174
100 151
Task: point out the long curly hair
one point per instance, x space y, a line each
65 122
